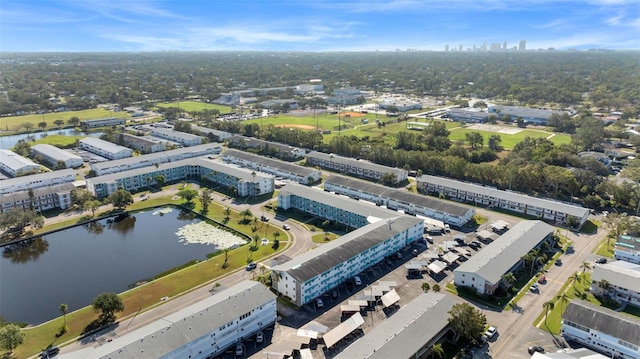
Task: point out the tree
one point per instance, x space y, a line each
42 125
80 196
436 287
564 299
107 304
63 309
585 266
227 213
509 279
188 194
91 206
120 199
205 198
466 321
548 306
425 287
246 213
475 139
17 219
74 120
23 148
437 350
27 126
388 178
10 337
160 180
58 123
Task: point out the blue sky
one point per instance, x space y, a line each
314 25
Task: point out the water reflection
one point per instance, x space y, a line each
186 215
96 228
123 226
25 251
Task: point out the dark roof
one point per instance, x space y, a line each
628 242
604 320
244 141
354 162
270 162
357 184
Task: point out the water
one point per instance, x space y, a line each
7 142
75 265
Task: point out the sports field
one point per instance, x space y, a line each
190 106
508 141
13 123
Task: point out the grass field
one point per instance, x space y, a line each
148 295
12 123
58 140
190 106
509 141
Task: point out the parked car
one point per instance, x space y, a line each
252 266
50 352
558 262
357 280
264 218
398 255
429 239
334 293
534 287
535 349
259 337
239 349
319 303
447 228
286 227
601 260
542 279
491 332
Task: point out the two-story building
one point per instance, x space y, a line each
144 144
53 155
104 148
212 134
627 248
267 148
483 272
618 280
183 138
278 168
39 199
15 165
359 168
102 122
44 179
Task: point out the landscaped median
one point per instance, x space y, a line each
150 294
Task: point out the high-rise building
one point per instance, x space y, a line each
504 46
523 45
446 48
460 47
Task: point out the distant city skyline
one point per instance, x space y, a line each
317 25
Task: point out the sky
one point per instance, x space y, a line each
314 25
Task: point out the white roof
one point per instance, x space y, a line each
105 145
343 329
390 298
55 152
437 266
621 274
14 160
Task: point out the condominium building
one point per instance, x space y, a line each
15 165
54 155
212 134
400 199
267 148
38 199
360 168
103 122
618 280
104 148
342 210
556 212
411 332
627 248
125 164
183 138
617 335
242 182
36 181
483 272
278 168
144 144
202 330
313 273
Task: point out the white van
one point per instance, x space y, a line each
357 280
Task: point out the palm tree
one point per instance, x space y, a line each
585 266
576 278
564 299
436 287
226 258
605 286
437 350
64 308
547 306
509 279
426 286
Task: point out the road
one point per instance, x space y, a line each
298 242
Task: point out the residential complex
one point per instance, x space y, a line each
102 122
267 148
54 155
483 272
152 159
313 273
580 353
618 280
400 199
213 135
627 248
409 333
242 182
36 181
202 330
183 138
558 213
528 115
604 330
278 168
345 211
39 199
144 144
363 169
15 165
104 148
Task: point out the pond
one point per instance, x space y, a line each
75 265
7 142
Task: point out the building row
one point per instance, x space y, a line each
15 165
53 155
278 168
243 182
267 148
104 148
360 168
483 272
144 144
103 122
212 134
202 330
559 213
183 138
400 199
44 179
38 199
125 164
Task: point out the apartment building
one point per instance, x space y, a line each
627 248
352 166
44 179
616 335
202 330
183 138
313 273
15 165
104 148
483 272
556 212
40 199
212 134
103 122
400 200
267 148
618 280
53 155
144 144
278 168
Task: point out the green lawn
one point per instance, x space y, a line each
509 141
190 106
12 122
322 238
148 295
58 140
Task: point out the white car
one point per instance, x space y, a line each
259 337
319 303
491 332
357 280
239 349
